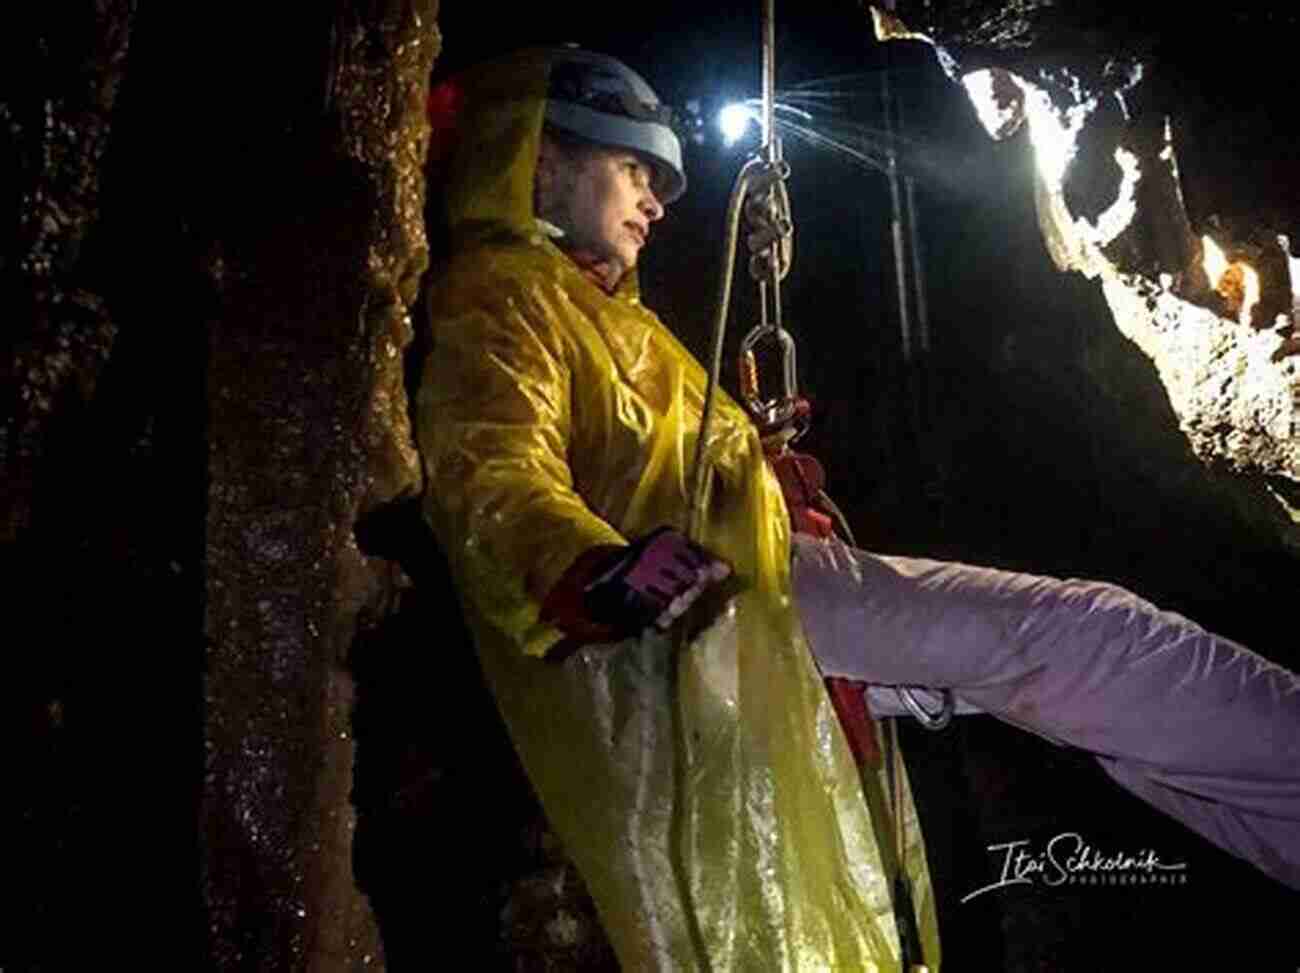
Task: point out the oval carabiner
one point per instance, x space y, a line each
781 408
931 721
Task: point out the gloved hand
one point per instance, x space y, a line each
611 593
652 582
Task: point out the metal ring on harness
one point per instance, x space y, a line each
930 721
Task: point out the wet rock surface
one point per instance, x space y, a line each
320 252
1163 124
215 229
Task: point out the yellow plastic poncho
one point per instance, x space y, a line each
707 795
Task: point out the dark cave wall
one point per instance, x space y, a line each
74 573
307 432
214 231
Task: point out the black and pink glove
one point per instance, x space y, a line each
652 582
614 592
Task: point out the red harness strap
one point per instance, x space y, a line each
802 480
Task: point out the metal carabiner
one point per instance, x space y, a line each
778 409
931 721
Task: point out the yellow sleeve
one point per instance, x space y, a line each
494 427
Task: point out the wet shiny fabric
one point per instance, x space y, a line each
1198 726
704 790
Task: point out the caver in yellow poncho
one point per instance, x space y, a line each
706 794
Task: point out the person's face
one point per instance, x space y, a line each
609 205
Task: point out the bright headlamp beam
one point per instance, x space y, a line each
734 120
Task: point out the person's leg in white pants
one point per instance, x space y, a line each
1198 726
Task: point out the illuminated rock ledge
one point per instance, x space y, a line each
1219 327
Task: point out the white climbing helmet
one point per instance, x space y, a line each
600 99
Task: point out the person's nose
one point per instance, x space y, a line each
650 206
